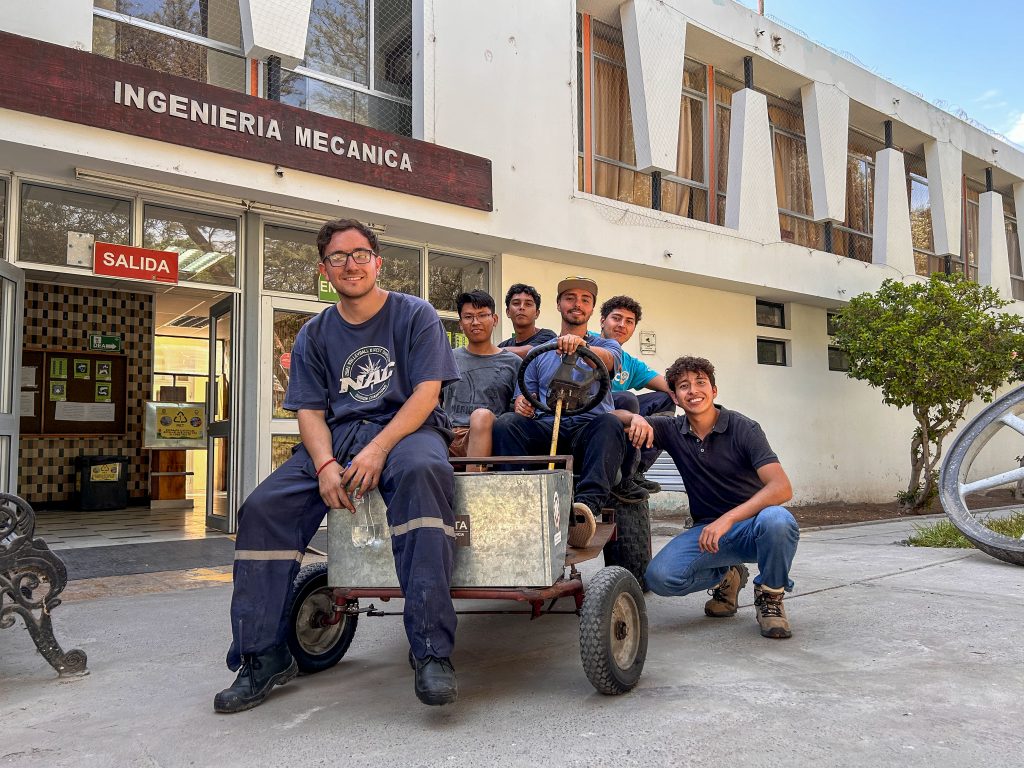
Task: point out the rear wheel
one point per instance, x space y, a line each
315 645
1003 420
613 631
631 548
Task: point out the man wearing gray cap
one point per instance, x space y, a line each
595 438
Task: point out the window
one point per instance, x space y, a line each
610 156
793 175
400 270
771 314
451 275
925 260
852 238
290 260
358 64
1012 248
195 39
207 245
3 215
725 87
50 217
771 351
838 360
969 247
286 328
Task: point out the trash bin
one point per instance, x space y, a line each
101 482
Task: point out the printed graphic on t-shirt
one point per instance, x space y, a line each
367 373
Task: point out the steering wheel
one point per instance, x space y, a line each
574 393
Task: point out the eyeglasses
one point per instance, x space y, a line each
481 318
359 256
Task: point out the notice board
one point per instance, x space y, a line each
73 393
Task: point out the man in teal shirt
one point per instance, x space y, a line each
620 316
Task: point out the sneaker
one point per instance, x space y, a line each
257 676
435 680
629 492
724 597
771 615
648 485
582 525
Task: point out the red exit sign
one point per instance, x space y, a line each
136 263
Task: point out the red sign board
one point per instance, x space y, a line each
137 263
286 360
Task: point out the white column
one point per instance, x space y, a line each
423 63
1018 203
891 241
944 162
751 203
993 260
653 37
273 28
827 125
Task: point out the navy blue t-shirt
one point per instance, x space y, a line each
542 336
368 371
720 471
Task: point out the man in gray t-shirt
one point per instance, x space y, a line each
488 381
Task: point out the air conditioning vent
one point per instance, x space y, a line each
190 321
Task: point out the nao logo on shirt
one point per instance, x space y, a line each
366 373
621 378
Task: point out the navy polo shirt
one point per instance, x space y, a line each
720 471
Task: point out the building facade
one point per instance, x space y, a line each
738 180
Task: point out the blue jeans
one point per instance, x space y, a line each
768 539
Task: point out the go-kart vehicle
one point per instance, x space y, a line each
512 544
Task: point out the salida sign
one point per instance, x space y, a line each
136 263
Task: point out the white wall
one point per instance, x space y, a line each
64 22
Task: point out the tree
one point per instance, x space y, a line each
933 347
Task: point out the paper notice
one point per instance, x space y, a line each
28 377
28 404
66 411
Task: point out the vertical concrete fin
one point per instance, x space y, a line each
993 259
273 28
944 162
423 53
751 205
891 242
654 37
827 125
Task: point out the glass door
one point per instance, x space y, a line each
222 389
12 322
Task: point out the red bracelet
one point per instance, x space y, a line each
331 460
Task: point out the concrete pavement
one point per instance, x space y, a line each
900 656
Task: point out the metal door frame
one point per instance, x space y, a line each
224 429
12 325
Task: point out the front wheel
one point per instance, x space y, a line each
613 631
317 646
1002 420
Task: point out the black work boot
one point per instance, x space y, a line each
435 680
629 492
258 674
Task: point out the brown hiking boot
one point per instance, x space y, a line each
771 615
723 600
582 525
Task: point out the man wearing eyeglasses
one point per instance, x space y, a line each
488 380
365 378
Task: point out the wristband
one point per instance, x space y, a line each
323 466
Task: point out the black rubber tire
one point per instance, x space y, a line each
316 648
631 548
613 631
964 449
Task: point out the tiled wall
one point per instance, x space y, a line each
61 318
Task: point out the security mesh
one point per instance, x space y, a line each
196 39
358 64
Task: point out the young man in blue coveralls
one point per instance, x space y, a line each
735 484
596 438
366 374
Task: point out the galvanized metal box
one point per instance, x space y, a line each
511 527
